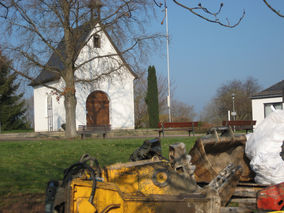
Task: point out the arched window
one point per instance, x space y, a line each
97 41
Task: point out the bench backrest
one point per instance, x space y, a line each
238 123
177 124
94 128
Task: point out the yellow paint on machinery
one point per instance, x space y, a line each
142 186
148 186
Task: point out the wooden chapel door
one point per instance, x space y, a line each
97 106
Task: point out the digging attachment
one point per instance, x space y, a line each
216 150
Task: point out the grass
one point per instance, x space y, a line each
27 166
16 131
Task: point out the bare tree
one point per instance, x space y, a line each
210 113
182 112
204 13
217 110
46 27
210 16
277 12
42 26
140 89
140 108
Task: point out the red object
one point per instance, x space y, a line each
271 198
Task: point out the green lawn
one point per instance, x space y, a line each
26 166
16 131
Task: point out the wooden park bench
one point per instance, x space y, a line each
177 126
240 125
84 130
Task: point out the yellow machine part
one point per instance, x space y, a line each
109 198
142 186
148 177
276 212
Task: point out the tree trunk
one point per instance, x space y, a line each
70 103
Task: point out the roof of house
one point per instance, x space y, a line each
54 62
275 90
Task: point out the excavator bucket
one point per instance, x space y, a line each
217 149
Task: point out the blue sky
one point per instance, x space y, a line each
203 56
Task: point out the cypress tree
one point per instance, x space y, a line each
12 111
152 98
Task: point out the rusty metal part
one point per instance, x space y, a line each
225 182
148 150
214 151
180 161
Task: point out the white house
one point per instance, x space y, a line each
108 101
262 101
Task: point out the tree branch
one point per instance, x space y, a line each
94 58
31 58
27 76
34 29
214 19
100 76
54 9
6 8
271 8
158 4
117 12
131 47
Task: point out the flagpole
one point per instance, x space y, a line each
168 63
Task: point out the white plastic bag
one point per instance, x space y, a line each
263 148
